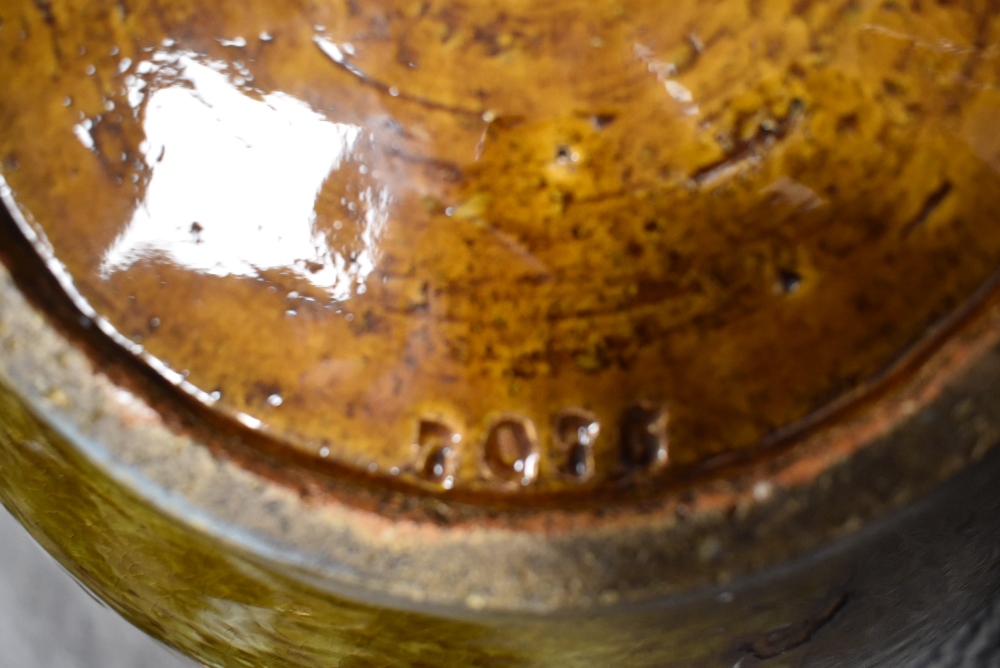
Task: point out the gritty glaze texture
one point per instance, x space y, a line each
501 247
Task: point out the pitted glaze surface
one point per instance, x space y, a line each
503 247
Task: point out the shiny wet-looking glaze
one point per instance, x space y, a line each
510 249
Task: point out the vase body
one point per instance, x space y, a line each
658 334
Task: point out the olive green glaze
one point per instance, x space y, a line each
698 223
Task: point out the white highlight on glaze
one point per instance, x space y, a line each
666 71
338 53
249 421
762 491
238 42
82 131
678 91
234 180
529 467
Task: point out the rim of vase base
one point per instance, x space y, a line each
428 552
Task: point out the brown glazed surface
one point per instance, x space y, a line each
511 246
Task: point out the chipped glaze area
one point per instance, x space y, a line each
497 247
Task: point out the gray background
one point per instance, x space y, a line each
48 621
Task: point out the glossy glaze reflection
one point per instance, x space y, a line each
695 224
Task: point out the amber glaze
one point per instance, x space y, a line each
510 246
